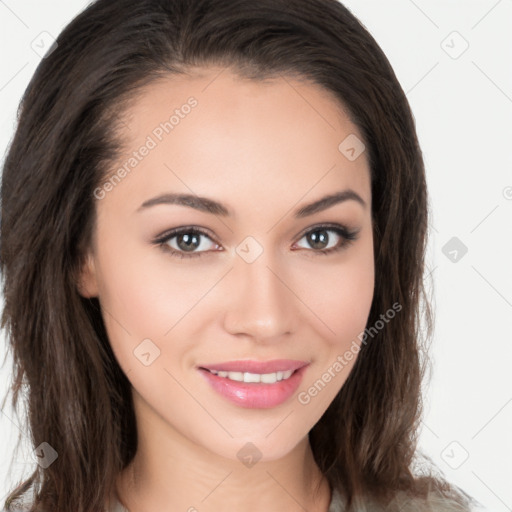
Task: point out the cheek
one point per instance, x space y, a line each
343 309
145 292
154 305
340 294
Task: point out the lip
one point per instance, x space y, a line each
275 365
255 395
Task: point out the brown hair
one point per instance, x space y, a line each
64 143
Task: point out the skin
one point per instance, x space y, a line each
263 149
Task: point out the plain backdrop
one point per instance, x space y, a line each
454 61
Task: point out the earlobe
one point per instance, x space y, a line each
87 283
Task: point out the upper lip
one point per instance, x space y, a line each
276 365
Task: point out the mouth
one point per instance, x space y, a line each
254 384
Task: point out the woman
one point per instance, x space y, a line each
212 242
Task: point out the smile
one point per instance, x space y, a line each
264 378
255 384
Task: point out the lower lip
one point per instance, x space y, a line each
255 395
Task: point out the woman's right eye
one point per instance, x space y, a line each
183 242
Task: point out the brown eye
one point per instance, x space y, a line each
318 239
322 240
185 242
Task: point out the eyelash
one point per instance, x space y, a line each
347 237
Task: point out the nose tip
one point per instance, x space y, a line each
260 304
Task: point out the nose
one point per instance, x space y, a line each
261 303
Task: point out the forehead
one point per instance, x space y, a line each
213 132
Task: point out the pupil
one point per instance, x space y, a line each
190 242
318 239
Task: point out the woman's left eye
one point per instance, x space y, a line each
319 239
183 242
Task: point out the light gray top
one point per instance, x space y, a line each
336 504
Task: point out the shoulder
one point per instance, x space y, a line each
432 503
403 502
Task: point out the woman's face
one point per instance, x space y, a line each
250 283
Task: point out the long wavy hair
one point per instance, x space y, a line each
77 398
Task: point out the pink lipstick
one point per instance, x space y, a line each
255 384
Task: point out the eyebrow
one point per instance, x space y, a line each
208 205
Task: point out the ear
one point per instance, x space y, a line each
87 282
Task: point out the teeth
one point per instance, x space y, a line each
265 378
